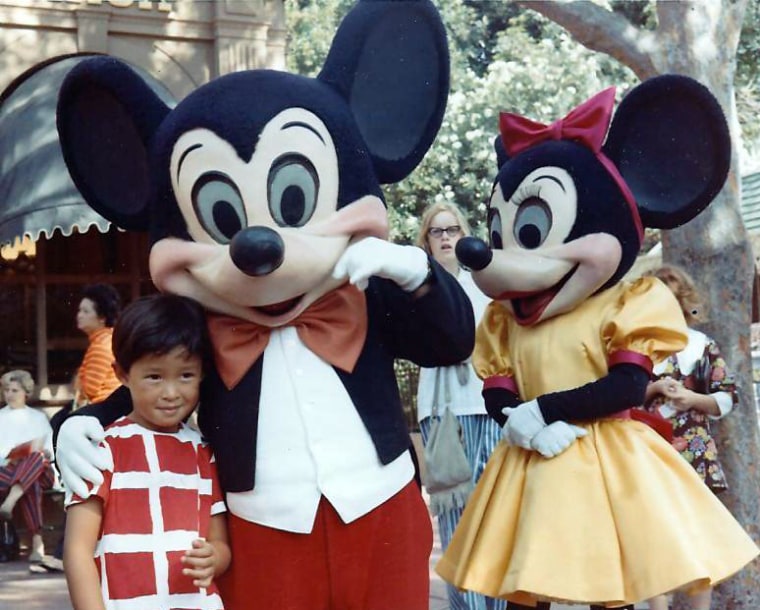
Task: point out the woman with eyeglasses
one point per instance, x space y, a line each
456 387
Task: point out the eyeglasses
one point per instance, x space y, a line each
451 231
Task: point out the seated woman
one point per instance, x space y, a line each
26 449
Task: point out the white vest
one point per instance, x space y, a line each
311 442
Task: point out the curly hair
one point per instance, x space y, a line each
685 290
106 300
23 378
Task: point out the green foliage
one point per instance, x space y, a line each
640 13
533 68
503 58
311 26
747 79
543 79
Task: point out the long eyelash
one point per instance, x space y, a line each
525 192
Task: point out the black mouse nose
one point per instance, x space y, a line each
257 250
473 253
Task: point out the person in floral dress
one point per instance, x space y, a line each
690 389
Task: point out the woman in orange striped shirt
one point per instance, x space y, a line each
96 315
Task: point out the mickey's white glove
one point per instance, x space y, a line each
78 455
405 265
525 421
555 438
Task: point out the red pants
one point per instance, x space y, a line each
378 562
34 474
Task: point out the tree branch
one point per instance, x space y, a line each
601 30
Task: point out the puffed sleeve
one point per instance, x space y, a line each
722 384
646 326
490 357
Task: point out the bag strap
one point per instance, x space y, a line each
434 411
441 373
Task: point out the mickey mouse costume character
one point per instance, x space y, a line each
261 194
582 503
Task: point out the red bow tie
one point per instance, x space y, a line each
334 327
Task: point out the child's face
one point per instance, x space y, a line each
164 388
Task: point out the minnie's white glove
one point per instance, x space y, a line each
405 265
523 423
555 438
78 456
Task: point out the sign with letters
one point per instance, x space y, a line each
144 5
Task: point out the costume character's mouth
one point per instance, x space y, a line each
281 308
528 307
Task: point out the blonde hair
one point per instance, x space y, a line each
685 290
23 378
427 220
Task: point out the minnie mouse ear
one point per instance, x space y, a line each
670 142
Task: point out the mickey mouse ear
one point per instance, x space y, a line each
670 141
501 153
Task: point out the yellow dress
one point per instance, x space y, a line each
619 516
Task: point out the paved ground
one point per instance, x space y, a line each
21 590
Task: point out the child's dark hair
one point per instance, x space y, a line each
156 324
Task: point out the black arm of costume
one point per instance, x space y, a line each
435 329
622 388
118 404
498 398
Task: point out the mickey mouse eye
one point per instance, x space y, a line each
533 222
494 229
218 206
292 190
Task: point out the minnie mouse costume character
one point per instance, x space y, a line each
582 503
261 192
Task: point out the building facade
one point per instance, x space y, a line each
53 243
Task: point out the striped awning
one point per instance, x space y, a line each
37 195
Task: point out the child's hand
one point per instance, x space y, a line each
200 563
680 398
665 386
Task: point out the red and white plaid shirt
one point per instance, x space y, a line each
158 499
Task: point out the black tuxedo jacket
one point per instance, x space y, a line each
436 329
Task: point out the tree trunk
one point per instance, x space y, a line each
717 254
699 38
715 248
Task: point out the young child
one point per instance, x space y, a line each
155 526
690 395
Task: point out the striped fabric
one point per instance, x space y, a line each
158 499
35 475
481 434
96 376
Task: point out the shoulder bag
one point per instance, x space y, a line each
448 475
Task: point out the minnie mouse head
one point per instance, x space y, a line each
568 209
